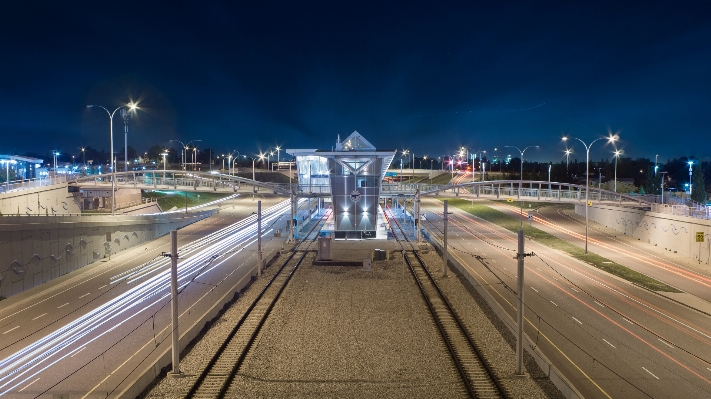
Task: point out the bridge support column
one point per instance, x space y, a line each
559 193
539 192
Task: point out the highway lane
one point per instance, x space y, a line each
685 274
606 323
87 356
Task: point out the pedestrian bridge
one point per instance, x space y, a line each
528 190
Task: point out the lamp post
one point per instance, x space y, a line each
185 148
111 154
690 164
656 164
520 184
617 155
610 139
567 159
83 158
164 153
662 185
126 116
278 159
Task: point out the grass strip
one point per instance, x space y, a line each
514 224
167 199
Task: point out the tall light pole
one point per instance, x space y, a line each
520 184
126 116
690 164
610 139
278 159
164 153
567 159
185 153
83 158
617 156
656 164
111 154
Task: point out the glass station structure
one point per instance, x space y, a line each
352 176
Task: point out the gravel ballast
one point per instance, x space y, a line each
349 333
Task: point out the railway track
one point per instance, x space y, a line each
215 379
477 376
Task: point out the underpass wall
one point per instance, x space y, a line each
674 233
40 201
37 249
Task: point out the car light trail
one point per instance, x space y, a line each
27 363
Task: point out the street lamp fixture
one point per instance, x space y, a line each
520 184
617 156
610 139
691 163
111 154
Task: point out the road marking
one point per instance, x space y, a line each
579 322
28 385
103 286
534 289
75 353
650 373
39 316
575 290
84 295
627 320
708 369
608 342
14 328
599 304
554 303
61 306
667 343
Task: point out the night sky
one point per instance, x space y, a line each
425 76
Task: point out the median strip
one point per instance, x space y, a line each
513 224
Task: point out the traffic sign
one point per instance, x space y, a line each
589 203
509 199
699 236
530 216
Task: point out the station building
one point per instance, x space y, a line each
351 175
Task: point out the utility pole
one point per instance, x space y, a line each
445 255
519 313
174 303
259 238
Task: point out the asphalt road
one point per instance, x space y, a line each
87 333
608 337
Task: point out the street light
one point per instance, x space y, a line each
83 158
164 153
126 116
690 164
567 159
656 164
277 150
610 139
113 169
185 153
617 156
520 184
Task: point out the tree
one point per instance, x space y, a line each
698 192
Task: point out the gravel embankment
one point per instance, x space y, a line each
348 333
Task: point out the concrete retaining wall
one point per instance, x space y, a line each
37 249
42 201
672 232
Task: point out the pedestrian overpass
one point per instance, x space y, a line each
527 190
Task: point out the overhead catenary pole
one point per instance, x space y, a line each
445 255
519 313
174 303
259 238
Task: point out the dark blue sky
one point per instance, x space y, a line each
423 76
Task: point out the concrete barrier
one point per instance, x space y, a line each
675 233
40 201
37 249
